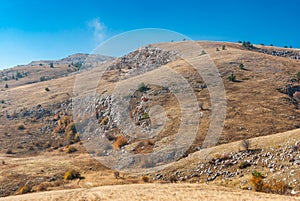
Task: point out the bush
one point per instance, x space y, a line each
9 151
224 47
23 190
272 186
257 181
105 120
120 142
142 87
71 134
77 65
203 53
244 164
72 174
51 65
6 86
47 89
257 174
71 149
247 44
21 127
232 78
275 186
43 78
117 175
242 67
217 49
19 75
145 179
2 101
144 116
298 76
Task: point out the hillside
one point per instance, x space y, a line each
39 126
38 71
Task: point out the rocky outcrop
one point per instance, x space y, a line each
280 53
142 60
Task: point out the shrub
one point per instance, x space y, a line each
298 76
104 121
232 78
142 87
255 173
117 175
21 127
145 179
71 134
9 151
6 86
272 186
275 186
120 142
247 44
203 53
2 101
71 149
217 49
23 190
72 174
19 75
144 116
242 67
257 181
77 65
224 47
244 164
51 65
47 89
43 78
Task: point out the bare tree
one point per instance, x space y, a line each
246 144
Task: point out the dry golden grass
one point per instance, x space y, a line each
162 192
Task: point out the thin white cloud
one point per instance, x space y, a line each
98 28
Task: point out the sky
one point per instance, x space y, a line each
53 29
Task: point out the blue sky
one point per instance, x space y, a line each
53 29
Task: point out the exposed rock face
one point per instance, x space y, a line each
281 53
142 60
296 96
280 163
